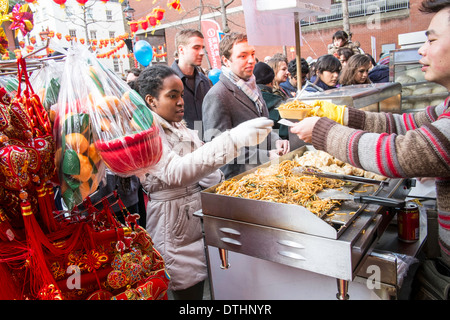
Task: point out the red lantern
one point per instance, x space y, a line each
152 20
175 4
81 2
144 24
33 40
159 13
62 3
67 37
82 40
31 1
133 26
21 43
51 34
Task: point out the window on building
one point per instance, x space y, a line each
116 65
73 33
89 14
108 15
69 11
93 34
112 34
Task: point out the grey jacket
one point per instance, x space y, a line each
224 107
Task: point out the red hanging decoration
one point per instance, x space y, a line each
133 26
151 20
62 3
159 13
81 2
144 24
175 4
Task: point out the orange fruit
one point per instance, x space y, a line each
85 169
85 189
52 115
126 97
111 103
93 154
77 142
58 154
105 124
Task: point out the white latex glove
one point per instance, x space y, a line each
211 179
251 132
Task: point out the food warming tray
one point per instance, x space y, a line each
292 235
289 216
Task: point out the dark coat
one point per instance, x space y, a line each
193 100
289 88
379 73
273 101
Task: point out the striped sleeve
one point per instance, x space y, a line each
423 152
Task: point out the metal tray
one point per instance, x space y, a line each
289 216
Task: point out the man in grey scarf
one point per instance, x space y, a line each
236 98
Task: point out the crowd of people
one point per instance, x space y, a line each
213 132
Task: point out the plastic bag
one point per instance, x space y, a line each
47 83
10 83
79 166
125 135
102 121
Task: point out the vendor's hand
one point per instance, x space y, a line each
329 110
251 132
304 128
281 147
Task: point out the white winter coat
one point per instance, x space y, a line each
174 195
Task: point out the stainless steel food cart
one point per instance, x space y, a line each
266 250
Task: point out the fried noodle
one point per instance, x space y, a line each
277 183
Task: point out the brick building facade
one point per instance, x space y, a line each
384 27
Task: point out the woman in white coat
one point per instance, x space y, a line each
175 183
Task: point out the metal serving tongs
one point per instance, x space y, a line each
315 172
335 194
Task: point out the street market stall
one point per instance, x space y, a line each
272 248
264 247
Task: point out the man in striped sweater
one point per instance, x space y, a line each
398 145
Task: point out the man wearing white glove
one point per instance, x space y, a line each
236 98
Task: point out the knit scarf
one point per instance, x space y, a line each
249 87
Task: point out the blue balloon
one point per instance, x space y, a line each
143 52
214 75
